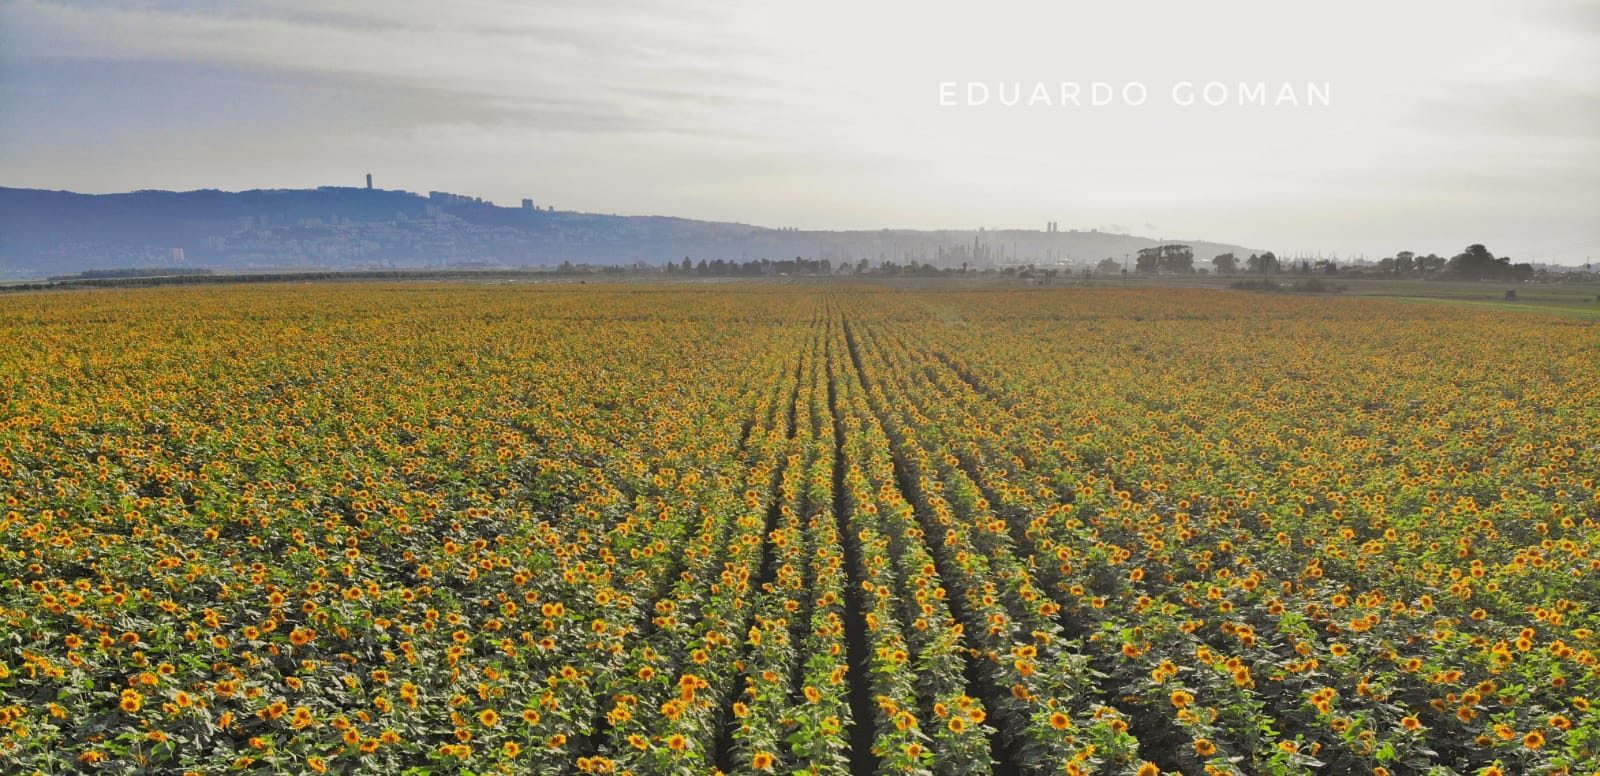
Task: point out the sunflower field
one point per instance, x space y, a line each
676 530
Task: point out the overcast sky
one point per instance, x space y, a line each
1449 121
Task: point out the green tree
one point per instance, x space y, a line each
1177 259
1265 264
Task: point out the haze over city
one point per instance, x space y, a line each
1446 123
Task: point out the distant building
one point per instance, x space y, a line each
177 255
527 204
369 181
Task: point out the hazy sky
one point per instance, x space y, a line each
1451 121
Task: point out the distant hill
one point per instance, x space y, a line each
55 232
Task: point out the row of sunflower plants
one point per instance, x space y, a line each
664 702
772 729
1122 649
1034 685
1375 636
935 652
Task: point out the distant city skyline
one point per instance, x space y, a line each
1446 123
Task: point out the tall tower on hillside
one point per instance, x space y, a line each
369 181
